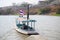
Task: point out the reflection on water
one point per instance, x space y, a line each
47 26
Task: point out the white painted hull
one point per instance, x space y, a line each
26 32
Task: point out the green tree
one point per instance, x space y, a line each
45 11
9 11
58 11
24 4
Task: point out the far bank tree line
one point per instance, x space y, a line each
7 11
50 9
41 11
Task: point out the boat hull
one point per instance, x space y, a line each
26 32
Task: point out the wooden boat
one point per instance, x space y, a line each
25 25
23 28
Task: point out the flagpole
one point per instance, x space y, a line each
27 14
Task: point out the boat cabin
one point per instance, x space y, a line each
26 24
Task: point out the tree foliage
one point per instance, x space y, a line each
24 4
58 11
45 10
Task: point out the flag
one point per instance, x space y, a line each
21 12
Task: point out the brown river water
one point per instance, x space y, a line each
47 26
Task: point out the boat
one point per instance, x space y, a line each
26 25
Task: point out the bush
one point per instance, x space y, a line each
58 11
45 10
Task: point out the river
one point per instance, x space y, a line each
46 26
